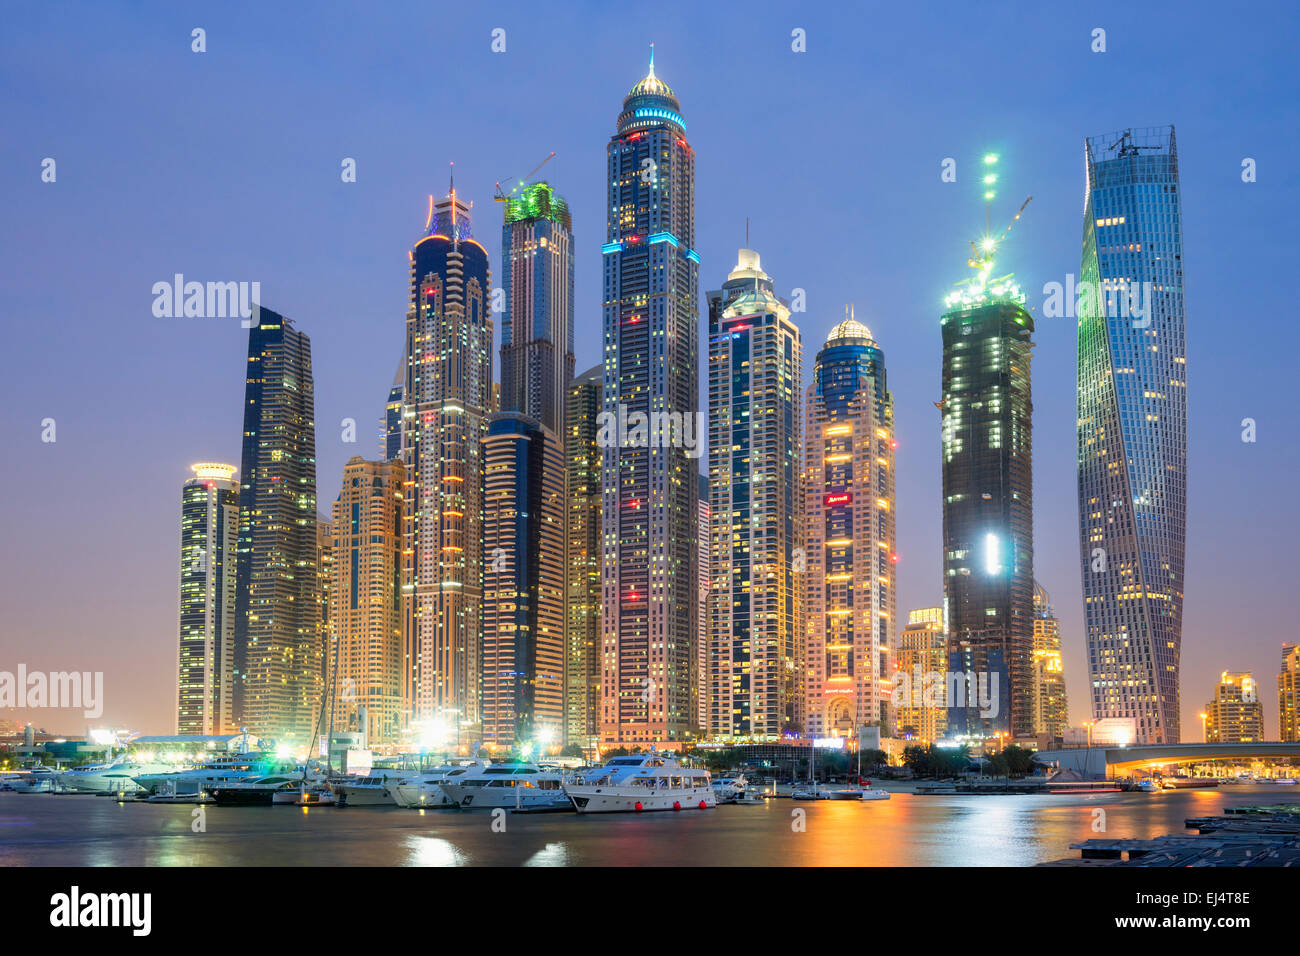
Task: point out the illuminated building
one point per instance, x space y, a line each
447 393
922 650
1132 429
1048 698
755 438
1235 715
392 443
700 683
365 606
582 459
1288 694
649 512
209 544
278 646
537 328
850 533
523 590
988 524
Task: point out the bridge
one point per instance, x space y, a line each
1100 762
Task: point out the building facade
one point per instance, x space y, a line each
922 651
988 526
279 653
1288 694
537 327
755 649
582 459
1235 715
365 600
702 577
523 619
1132 429
1051 706
209 548
649 420
850 535
447 394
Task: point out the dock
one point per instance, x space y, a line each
1241 836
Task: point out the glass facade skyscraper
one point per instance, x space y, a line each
651 345
447 395
209 545
1132 429
278 640
988 508
851 535
754 665
582 462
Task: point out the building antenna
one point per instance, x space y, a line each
746 232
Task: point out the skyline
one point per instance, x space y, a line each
351 380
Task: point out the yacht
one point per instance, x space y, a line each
517 786
860 793
730 789
219 770
262 792
35 780
374 790
425 791
116 776
812 791
642 782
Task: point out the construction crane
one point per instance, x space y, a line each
1126 145
502 196
984 252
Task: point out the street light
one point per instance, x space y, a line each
1204 739
1088 724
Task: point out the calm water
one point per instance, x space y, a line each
908 830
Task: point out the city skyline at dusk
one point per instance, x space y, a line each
235 170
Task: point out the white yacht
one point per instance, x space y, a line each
374 790
117 776
425 791
642 782
209 774
812 791
730 789
514 786
35 780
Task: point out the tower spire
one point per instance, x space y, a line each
652 59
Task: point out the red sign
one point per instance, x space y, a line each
843 498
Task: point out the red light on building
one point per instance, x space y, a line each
843 498
894 558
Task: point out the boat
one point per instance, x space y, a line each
225 769
262 792
814 791
1285 781
1147 786
517 786
425 791
36 780
859 793
730 789
642 782
117 776
374 790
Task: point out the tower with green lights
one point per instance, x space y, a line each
988 525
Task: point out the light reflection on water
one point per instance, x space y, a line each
907 830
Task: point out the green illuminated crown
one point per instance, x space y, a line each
538 201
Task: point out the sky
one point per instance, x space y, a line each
225 166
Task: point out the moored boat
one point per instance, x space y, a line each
516 786
642 782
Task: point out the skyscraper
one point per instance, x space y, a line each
1050 705
850 534
704 561
447 394
922 650
988 518
209 545
365 613
756 508
537 328
1235 715
1132 431
523 617
278 646
392 436
582 458
1288 694
651 329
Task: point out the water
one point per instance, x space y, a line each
908 830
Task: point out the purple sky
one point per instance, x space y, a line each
224 166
